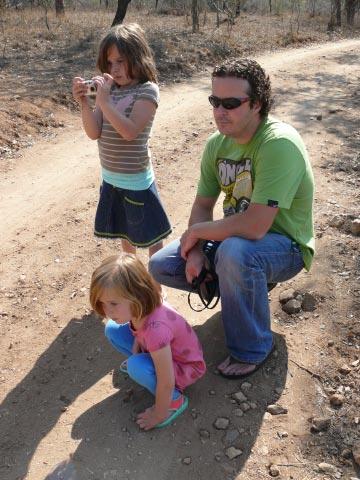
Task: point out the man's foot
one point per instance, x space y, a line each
234 369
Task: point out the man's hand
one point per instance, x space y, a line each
194 263
150 418
188 241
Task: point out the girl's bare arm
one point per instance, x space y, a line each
92 119
128 127
164 388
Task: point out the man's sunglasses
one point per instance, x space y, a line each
227 103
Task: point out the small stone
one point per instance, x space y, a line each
327 468
331 343
253 405
346 453
233 452
344 369
204 434
276 409
245 386
221 423
238 412
239 397
283 434
230 436
356 454
244 406
355 227
320 424
355 363
337 221
308 303
292 306
319 117
274 470
186 460
336 400
286 295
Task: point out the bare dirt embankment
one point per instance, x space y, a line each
56 371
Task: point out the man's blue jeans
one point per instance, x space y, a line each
244 267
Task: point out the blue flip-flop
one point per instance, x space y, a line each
123 367
175 413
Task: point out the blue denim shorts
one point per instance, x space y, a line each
135 215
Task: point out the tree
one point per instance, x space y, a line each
195 16
59 8
120 12
350 7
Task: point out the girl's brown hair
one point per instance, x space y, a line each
131 42
128 277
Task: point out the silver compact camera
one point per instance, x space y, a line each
91 87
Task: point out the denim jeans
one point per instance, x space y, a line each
244 268
140 366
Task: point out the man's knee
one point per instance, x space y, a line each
155 263
234 253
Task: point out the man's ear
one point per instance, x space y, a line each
256 107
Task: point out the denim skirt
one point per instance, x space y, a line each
135 215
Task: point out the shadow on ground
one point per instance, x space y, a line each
112 447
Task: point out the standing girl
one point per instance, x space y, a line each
164 353
127 96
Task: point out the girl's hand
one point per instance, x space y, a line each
104 84
150 418
79 89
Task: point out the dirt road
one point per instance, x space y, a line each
56 372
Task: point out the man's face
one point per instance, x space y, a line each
241 122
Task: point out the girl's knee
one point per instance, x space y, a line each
111 329
140 366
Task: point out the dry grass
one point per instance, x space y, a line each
38 63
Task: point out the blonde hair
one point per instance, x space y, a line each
127 275
131 42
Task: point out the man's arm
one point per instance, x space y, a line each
252 224
202 211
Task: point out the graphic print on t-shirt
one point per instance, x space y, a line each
236 183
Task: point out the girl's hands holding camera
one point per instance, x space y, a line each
79 89
103 84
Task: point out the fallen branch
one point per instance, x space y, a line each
315 375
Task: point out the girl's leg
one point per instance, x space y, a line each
141 369
120 337
155 248
127 247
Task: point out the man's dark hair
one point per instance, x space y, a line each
250 70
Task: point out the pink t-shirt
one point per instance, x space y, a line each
166 327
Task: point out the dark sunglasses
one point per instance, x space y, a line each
227 103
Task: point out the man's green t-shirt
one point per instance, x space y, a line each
272 169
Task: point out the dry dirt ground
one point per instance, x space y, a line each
66 415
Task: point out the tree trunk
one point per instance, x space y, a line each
338 12
270 6
350 7
195 16
120 12
331 23
59 8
